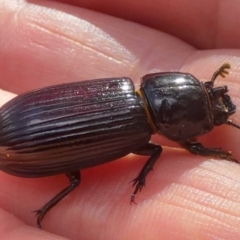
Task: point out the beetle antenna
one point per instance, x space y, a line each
222 71
230 122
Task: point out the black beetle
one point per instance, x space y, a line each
67 127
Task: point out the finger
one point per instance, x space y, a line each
157 57
14 229
70 44
209 25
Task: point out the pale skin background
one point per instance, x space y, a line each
187 196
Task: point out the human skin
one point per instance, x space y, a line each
186 196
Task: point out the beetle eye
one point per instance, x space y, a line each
220 119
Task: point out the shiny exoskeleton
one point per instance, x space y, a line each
69 127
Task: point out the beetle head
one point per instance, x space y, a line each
221 104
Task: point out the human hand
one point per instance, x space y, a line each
186 197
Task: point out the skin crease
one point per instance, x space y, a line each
187 196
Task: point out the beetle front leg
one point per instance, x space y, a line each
197 148
152 150
74 178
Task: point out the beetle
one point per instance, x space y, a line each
65 128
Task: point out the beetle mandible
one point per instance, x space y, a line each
64 128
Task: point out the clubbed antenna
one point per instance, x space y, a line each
222 71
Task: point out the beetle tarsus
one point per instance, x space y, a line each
39 215
74 178
133 199
198 149
139 183
154 151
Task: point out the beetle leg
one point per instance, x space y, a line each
197 148
74 178
152 150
